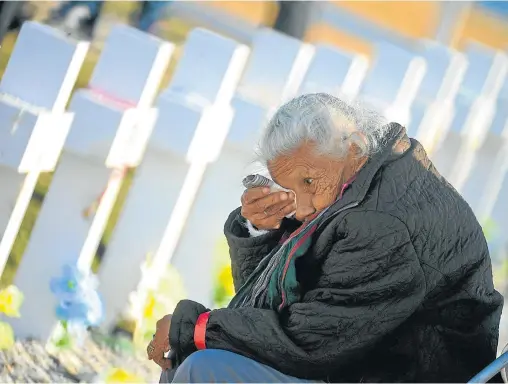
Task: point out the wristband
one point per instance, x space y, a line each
200 331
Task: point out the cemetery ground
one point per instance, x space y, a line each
27 360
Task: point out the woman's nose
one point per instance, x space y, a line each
303 211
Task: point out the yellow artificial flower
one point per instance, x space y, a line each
6 336
226 280
119 375
149 309
11 299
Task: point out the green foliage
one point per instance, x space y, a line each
62 339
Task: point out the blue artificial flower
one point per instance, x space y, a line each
67 286
79 301
72 311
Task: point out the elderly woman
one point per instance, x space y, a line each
381 275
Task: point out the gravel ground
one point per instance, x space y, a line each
29 362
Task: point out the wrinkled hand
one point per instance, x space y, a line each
266 210
159 345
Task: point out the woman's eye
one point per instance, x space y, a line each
308 181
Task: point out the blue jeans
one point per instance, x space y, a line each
217 366
151 11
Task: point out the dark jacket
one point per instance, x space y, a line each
396 288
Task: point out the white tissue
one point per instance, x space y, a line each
276 187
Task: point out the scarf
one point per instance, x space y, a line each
273 284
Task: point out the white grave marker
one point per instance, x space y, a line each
488 154
393 81
194 118
34 90
68 230
433 106
494 208
336 72
474 110
275 72
276 68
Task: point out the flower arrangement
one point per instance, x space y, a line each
11 299
79 306
119 375
224 289
154 299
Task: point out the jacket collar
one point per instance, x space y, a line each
358 189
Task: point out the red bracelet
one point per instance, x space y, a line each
200 331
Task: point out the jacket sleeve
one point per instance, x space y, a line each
245 251
373 283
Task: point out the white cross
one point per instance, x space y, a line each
15 122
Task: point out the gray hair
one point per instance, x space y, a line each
326 121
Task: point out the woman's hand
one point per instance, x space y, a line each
160 343
266 210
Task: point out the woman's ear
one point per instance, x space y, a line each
357 143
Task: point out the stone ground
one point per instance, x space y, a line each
30 362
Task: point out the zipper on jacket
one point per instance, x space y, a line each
344 208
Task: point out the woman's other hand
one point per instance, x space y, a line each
159 345
266 210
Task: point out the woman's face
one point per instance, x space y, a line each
316 179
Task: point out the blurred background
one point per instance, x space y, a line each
440 68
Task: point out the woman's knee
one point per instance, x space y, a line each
203 357
201 366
